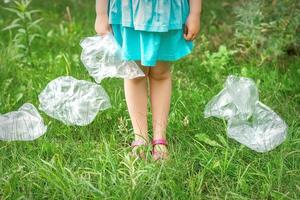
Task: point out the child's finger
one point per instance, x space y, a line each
185 29
184 35
188 36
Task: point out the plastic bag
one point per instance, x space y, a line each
250 122
262 133
237 99
72 101
101 56
24 124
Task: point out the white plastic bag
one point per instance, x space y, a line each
24 124
237 99
72 101
263 132
250 122
101 56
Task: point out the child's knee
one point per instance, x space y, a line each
159 74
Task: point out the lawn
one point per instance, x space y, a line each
92 162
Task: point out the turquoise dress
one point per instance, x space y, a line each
150 30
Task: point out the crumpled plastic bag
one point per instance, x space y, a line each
264 132
24 124
72 101
250 122
237 99
102 57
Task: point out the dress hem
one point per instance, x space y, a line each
152 63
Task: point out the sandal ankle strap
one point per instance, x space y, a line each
138 143
159 141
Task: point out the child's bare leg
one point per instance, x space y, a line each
160 95
136 95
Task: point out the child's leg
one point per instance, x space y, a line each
136 95
160 95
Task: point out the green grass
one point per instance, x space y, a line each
91 162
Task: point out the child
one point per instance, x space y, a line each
153 33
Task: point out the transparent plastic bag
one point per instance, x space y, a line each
250 122
264 131
101 56
238 98
25 124
72 101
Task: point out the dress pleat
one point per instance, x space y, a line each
149 15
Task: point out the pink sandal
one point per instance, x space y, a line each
138 143
157 154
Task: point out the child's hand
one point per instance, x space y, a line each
192 27
102 26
